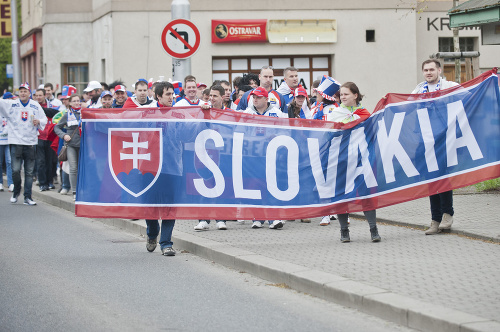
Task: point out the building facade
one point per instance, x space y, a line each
378 44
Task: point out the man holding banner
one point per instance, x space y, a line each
442 203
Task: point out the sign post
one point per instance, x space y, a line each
181 66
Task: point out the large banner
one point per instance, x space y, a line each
189 163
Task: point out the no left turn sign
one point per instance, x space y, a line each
180 38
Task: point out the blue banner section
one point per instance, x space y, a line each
200 162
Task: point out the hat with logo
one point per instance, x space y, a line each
201 85
327 87
67 91
259 92
93 85
25 85
120 88
300 91
106 93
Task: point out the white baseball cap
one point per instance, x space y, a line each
92 86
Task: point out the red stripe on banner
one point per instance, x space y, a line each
197 113
259 213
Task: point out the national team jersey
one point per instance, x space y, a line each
4 131
20 120
186 102
270 111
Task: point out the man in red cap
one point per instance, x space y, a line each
120 96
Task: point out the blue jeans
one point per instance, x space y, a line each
5 154
441 203
167 226
65 180
20 154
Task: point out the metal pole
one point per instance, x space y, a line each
16 61
181 67
456 48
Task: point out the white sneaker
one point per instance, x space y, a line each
325 221
221 225
257 224
13 199
1 187
29 201
11 188
64 191
277 224
202 226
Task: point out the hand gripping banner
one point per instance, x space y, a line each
189 163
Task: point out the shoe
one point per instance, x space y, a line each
37 182
257 224
44 188
51 186
374 233
241 222
434 229
344 235
11 188
1 187
221 225
446 222
325 221
64 191
29 201
333 217
277 224
307 221
151 244
168 251
202 226
13 199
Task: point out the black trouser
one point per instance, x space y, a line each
44 155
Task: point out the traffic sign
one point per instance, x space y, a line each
180 38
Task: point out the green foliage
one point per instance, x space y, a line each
5 58
488 185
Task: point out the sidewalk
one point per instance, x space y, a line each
444 282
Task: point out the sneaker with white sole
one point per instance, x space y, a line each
168 251
221 225
202 226
29 201
257 224
13 199
325 221
11 188
1 187
64 191
276 224
151 244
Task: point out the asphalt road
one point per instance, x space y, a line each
62 273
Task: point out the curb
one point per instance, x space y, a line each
375 301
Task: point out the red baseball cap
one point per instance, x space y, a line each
259 92
300 91
120 88
201 84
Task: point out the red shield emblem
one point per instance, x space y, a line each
24 115
135 157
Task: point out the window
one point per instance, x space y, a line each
370 36
310 68
76 74
466 44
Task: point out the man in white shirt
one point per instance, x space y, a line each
24 118
190 93
442 203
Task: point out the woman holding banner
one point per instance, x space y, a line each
351 110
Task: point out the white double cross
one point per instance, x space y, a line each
135 155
